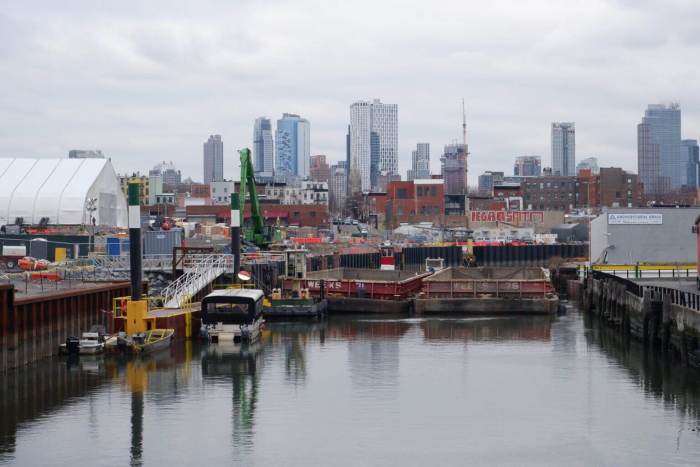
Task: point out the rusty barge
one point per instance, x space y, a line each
505 290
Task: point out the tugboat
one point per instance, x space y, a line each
232 315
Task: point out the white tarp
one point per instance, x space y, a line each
60 189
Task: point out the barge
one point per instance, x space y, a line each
503 290
361 290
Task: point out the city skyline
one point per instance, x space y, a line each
154 88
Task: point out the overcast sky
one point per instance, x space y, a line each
149 81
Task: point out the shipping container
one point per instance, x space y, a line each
161 242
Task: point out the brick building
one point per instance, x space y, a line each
617 188
200 190
319 170
551 193
411 202
303 215
612 187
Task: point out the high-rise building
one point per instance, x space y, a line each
169 173
337 187
690 163
292 146
319 170
85 154
589 163
420 163
213 159
564 149
527 166
488 179
659 149
454 169
373 141
263 154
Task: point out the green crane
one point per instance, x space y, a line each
260 234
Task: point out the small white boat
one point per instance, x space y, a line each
90 343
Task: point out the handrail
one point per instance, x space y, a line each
675 296
201 271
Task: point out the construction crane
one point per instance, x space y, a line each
259 234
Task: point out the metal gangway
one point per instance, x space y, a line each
199 272
121 263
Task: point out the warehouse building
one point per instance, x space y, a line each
644 235
63 191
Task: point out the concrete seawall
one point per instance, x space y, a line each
661 317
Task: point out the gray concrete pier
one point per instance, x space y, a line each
661 313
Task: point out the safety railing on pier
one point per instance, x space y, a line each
198 274
631 286
122 262
658 293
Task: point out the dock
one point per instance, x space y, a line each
663 314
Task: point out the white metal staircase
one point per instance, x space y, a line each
199 272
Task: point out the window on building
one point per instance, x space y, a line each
433 190
296 213
402 193
312 214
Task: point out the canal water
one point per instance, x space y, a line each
364 391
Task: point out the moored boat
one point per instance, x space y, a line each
232 315
152 340
145 342
90 343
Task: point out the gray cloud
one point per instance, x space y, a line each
148 81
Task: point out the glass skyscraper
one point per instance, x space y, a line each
564 149
659 149
373 141
690 161
263 147
292 146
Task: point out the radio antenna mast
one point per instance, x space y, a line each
464 143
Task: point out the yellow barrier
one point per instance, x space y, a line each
644 267
59 255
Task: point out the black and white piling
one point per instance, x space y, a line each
236 234
135 241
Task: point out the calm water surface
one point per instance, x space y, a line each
355 391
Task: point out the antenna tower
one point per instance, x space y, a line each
464 143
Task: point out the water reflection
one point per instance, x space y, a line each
661 376
241 364
512 328
366 357
294 338
38 390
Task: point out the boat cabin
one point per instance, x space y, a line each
232 306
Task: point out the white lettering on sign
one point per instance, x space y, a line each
316 284
636 219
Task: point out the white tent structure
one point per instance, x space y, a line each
67 191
